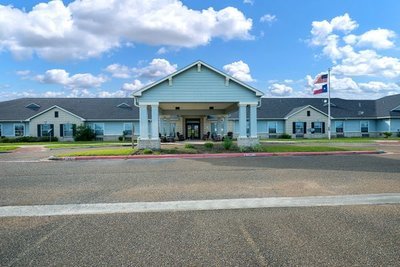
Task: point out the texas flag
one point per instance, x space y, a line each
322 78
324 89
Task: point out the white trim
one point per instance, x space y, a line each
53 107
396 108
139 92
276 126
149 103
247 103
123 104
342 121
361 121
305 107
19 123
33 104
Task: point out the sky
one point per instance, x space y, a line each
110 48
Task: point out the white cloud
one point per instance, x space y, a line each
379 39
157 68
268 18
278 89
239 70
250 2
106 94
53 94
84 29
377 86
119 71
135 85
162 50
322 29
77 81
368 63
23 72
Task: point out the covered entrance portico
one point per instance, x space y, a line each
196 101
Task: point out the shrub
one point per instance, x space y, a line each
27 139
84 133
286 136
147 151
258 148
387 134
209 145
189 146
120 138
227 143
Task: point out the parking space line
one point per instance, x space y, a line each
196 205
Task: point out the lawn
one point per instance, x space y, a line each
217 148
54 145
333 140
7 148
100 152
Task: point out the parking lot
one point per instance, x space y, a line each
365 235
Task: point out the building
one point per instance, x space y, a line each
194 101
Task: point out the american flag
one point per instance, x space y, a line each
322 78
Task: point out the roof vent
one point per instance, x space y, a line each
360 113
124 105
359 104
33 106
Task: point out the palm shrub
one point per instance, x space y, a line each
227 143
209 145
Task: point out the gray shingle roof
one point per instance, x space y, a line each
271 108
87 108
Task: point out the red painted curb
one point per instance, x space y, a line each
220 155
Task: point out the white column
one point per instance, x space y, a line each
218 125
154 121
144 122
253 120
242 121
225 125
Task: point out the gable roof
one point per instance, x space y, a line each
298 109
86 108
53 107
140 91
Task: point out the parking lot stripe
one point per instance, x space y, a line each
195 205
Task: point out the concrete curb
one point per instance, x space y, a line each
219 155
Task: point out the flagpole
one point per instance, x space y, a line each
329 103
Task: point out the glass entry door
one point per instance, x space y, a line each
193 129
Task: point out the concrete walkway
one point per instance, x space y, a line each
196 205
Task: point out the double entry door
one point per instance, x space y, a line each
193 129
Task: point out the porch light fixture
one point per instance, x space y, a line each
211 107
177 108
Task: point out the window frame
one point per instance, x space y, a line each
308 113
302 127
23 129
272 123
131 126
336 123
361 127
64 130
56 114
320 123
102 126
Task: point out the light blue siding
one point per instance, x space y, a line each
383 125
194 86
262 126
280 127
115 127
351 126
395 125
7 129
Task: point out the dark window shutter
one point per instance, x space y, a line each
312 125
73 129
52 130
305 127
323 127
294 127
61 130
38 130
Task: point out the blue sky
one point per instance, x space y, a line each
101 48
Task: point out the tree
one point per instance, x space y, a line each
84 133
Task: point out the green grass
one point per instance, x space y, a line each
334 140
7 148
288 148
84 144
100 152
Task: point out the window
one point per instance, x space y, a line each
272 127
299 127
1 130
45 130
98 128
67 130
339 125
19 129
318 127
128 127
364 126
55 114
308 113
